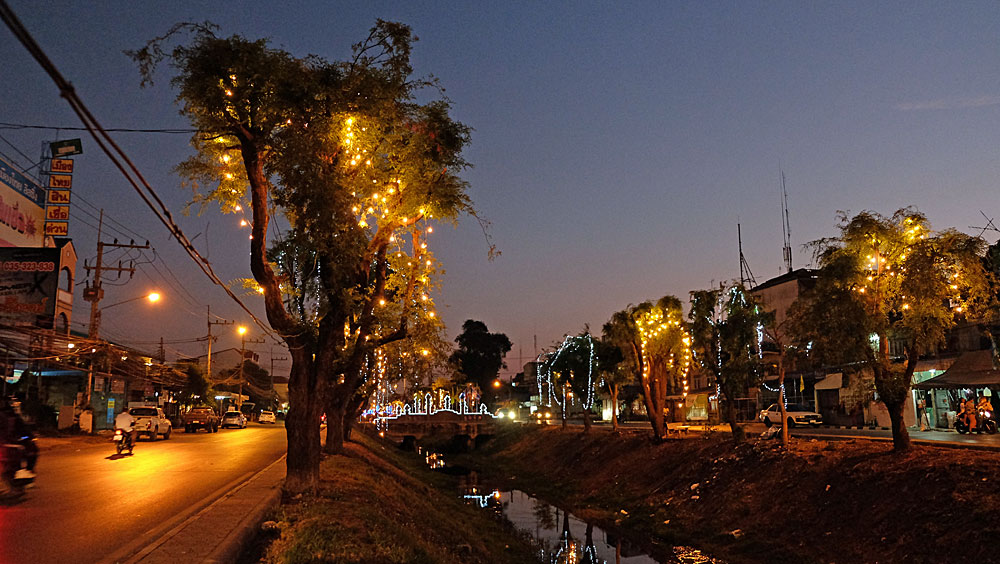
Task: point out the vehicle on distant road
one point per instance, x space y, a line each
201 418
796 414
267 417
151 421
234 419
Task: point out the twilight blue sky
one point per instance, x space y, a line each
616 145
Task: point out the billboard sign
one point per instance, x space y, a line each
21 209
29 279
66 148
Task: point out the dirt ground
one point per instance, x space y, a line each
843 502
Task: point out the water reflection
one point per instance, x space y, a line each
561 537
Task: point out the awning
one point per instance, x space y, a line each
832 382
973 369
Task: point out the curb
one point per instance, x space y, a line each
194 540
229 548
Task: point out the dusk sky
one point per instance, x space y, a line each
616 145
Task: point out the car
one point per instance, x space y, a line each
151 421
266 417
234 419
201 418
542 416
796 414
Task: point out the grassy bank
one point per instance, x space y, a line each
379 505
818 502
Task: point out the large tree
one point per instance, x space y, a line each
655 344
890 278
479 356
727 326
344 153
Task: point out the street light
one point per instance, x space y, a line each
95 318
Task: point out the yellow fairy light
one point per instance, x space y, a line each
362 223
430 230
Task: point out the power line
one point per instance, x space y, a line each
6 125
117 155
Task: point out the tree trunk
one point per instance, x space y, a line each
614 407
586 421
302 429
781 402
739 434
336 413
900 436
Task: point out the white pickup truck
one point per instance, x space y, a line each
151 421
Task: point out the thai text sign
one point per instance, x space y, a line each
21 212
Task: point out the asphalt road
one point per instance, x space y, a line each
90 504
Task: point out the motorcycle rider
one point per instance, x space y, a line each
126 422
984 404
14 431
969 412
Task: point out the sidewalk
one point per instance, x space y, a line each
216 533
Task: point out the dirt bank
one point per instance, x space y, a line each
826 502
378 505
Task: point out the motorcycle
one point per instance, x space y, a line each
15 477
123 440
985 423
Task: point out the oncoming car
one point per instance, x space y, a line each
796 414
266 417
542 416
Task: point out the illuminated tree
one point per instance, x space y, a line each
656 347
727 326
890 279
346 156
572 372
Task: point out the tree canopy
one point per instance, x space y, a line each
479 356
354 165
891 278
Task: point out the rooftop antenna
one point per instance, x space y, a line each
746 277
786 229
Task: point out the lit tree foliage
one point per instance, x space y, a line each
656 346
726 325
891 278
344 153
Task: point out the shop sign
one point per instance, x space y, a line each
66 148
56 228
58 197
64 166
60 181
57 213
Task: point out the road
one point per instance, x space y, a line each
90 504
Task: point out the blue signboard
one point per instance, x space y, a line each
21 183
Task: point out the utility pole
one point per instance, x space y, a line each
273 358
243 358
95 292
208 363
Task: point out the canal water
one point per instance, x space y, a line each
561 537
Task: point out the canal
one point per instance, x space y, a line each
560 536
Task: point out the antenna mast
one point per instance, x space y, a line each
746 277
786 229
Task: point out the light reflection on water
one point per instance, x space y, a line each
561 537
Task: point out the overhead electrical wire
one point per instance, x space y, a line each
117 155
6 125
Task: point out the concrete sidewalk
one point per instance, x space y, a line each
219 531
